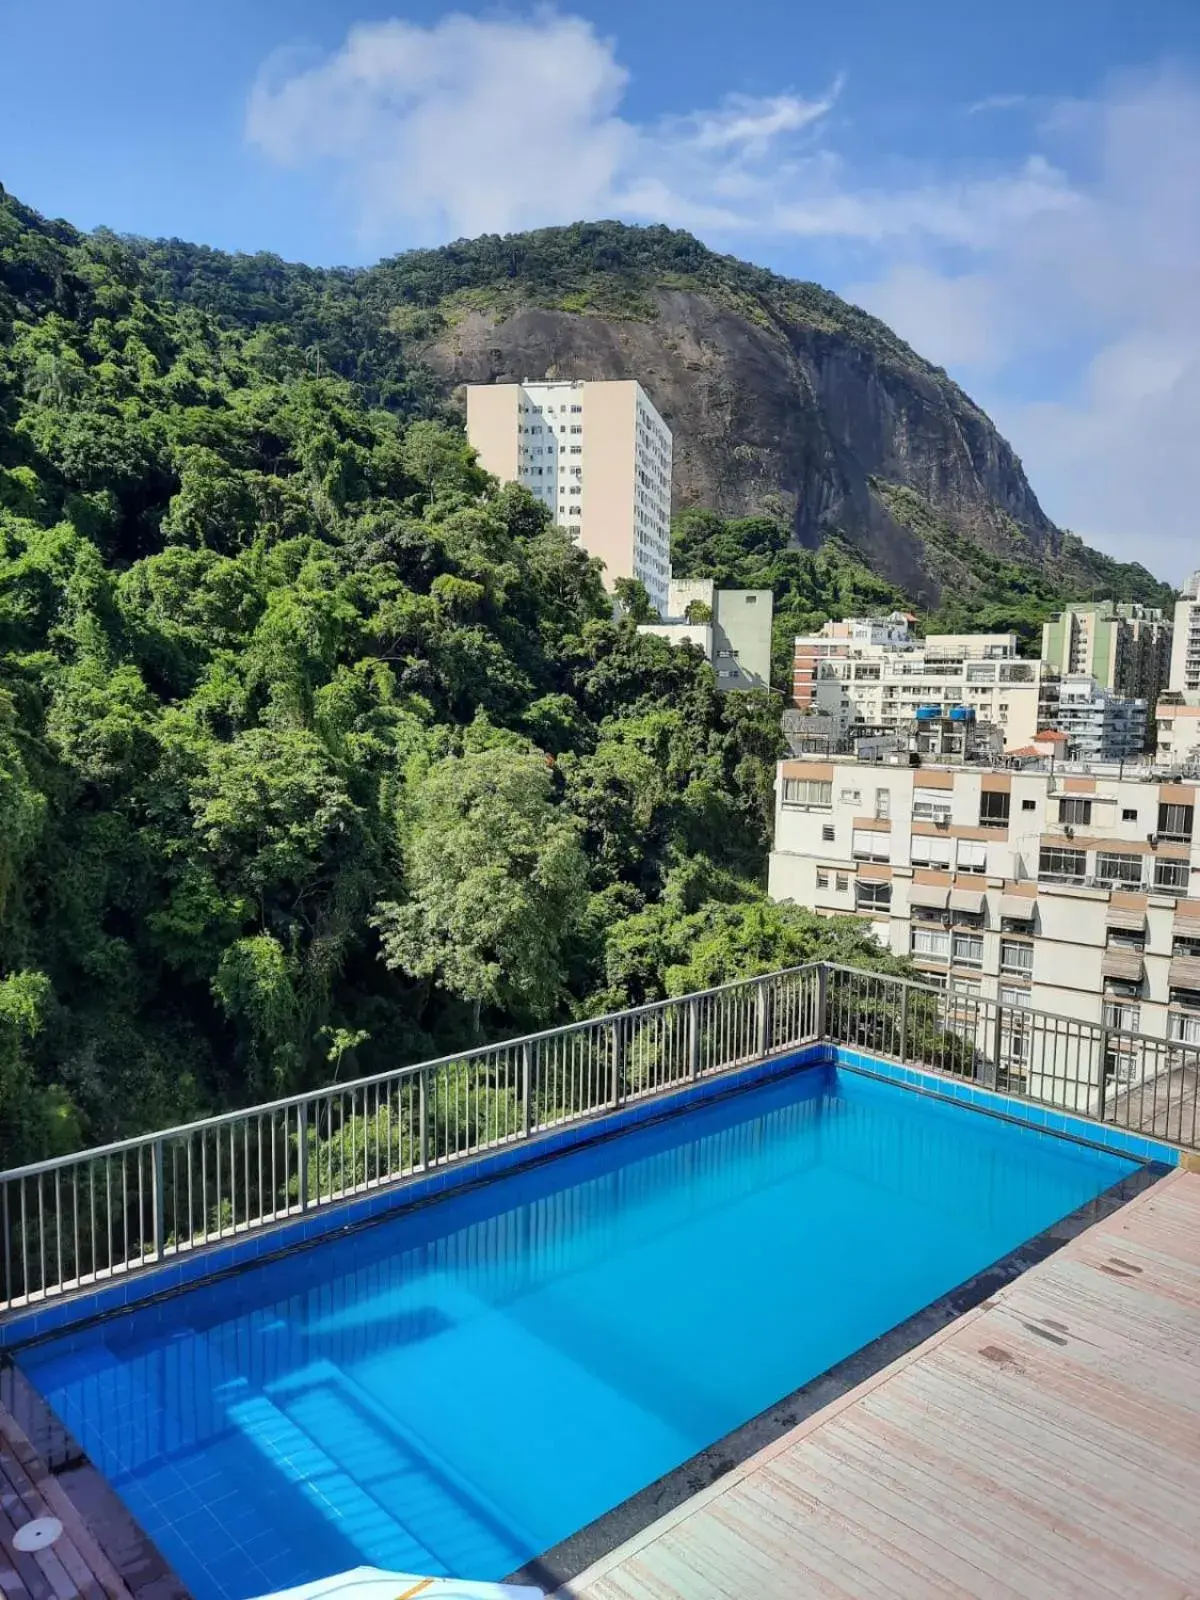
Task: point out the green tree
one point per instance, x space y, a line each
495 878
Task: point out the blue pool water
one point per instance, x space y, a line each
456 1390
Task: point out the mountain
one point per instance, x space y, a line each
783 398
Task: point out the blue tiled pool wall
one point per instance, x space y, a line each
1034 1115
231 1254
277 1238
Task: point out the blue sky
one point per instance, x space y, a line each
1015 188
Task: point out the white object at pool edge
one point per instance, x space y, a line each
373 1583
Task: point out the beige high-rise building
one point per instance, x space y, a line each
598 455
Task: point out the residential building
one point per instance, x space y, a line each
1099 725
1178 711
1185 646
598 455
892 680
1125 647
733 629
1031 884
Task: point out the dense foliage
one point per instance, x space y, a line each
317 749
809 586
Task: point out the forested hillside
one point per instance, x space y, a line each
318 751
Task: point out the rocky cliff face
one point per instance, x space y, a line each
778 415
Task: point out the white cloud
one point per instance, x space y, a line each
1061 288
1078 326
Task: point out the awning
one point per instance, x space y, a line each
1018 907
932 895
969 900
1187 915
1126 966
1127 921
1184 972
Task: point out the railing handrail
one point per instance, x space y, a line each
391 1075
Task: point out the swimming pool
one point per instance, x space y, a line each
462 1386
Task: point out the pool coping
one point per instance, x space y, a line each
599 1538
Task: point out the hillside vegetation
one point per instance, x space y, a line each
786 401
318 751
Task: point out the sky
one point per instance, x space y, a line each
1014 187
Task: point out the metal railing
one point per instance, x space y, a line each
78 1220
82 1219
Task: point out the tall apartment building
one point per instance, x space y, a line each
875 672
1125 647
736 638
1074 893
1178 711
598 455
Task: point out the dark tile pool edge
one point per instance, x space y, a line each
566 1560
227 1258
57 1455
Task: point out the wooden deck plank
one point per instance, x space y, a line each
1047 1443
74 1568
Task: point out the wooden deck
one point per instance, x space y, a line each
1045 1444
74 1567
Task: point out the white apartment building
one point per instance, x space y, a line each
1067 892
1185 643
1099 725
873 671
598 455
1178 711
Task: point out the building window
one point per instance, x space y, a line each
972 855
994 809
1010 995
871 846
931 805
1112 867
1175 822
1184 945
822 878
1028 805
1075 813
1129 814
927 852
1064 866
968 949
850 797
883 804
932 943
1125 1019
843 883
1183 1028
827 833
1016 957
1171 877
807 792
872 896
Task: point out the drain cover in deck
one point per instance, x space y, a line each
36 1535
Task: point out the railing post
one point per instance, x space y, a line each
160 1204
526 1088
991 1069
763 1020
693 1027
423 1115
823 1001
1102 1096
302 1152
903 1051
618 1062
